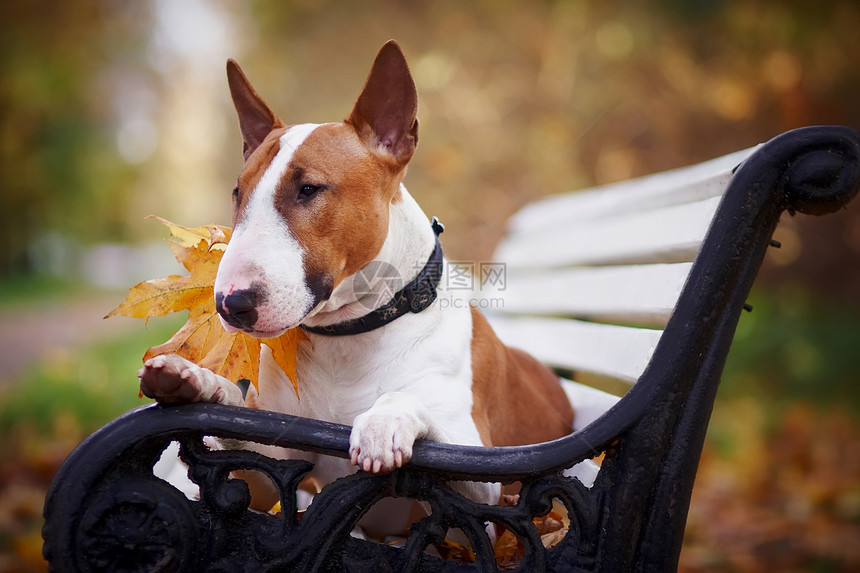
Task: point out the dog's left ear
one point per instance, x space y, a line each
385 114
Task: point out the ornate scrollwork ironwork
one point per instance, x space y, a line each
139 525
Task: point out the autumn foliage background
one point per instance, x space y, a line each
111 110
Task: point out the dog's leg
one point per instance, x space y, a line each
382 440
382 437
171 379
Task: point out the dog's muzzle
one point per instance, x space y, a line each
239 308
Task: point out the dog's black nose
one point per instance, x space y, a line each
239 308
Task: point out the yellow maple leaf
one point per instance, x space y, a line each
202 339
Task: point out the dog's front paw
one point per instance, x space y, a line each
171 379
381 442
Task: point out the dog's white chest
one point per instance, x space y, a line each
427 355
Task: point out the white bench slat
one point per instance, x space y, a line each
639 294
665 235
617 351
684 185
589 403
619 253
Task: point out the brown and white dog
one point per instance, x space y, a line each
315 207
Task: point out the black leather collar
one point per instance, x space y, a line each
414 297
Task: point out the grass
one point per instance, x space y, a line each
53 407
793 350
18 291
75 392
794 346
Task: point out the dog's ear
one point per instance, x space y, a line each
385 114
256 118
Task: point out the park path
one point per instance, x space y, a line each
30 331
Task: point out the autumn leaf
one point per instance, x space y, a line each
215 236
202 339
552 528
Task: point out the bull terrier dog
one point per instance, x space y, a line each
318 211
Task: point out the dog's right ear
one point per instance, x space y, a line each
256 118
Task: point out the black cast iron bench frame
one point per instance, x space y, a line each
106 511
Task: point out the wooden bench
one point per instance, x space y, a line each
641 282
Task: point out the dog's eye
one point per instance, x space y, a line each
235 192
307 190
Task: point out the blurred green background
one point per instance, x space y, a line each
111 110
